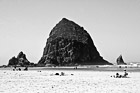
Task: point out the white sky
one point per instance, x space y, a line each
114 26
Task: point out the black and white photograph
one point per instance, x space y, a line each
69 46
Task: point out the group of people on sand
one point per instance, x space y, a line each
121 76
75 67
19 69
60 74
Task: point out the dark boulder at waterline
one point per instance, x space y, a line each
70 44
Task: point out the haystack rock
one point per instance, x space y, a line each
20 60
120 61
70 44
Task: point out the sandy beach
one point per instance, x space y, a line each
73 81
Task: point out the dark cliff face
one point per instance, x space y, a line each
120 61
70 44
20 60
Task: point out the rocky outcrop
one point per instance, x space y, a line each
70 44
20 60
120 61
13 61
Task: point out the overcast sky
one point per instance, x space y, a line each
114 26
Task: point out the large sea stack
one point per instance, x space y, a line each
70 44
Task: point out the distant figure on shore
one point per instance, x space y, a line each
19 69
117 75
14 68
62 74
26 68
75 67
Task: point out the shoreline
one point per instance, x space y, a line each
108 69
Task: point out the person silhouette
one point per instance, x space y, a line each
117 75
26 68
125 73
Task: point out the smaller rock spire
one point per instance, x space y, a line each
120 61
20 60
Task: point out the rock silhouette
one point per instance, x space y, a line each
13 61
120 61
70 44
20 60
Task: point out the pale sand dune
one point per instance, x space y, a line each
80 82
